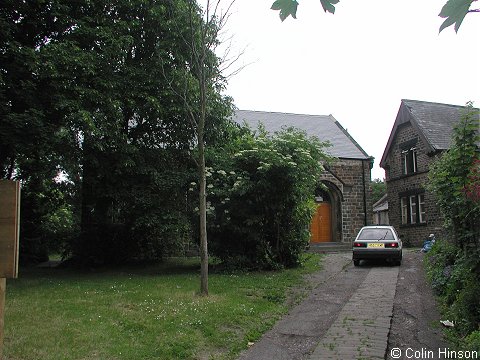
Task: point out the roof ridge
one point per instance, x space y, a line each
285 113
434 103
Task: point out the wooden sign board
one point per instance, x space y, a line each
9 227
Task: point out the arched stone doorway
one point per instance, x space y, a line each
326 225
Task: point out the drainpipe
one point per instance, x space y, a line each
364 195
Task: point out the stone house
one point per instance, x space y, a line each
346 205
422 130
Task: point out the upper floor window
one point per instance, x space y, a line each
409 161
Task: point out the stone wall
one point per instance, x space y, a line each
399 185
355 176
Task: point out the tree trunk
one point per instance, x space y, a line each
202 82
203 218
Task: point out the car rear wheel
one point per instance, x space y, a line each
356 262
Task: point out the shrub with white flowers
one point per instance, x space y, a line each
261 191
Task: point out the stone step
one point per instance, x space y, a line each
330 247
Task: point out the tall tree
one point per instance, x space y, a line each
26 128
29 125
128 113
83 94
199 91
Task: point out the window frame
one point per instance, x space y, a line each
412 203
404 210
409 161
422 213
412 209
404 162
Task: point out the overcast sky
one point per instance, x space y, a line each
356 65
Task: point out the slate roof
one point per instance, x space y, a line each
381 205
433 122
324 127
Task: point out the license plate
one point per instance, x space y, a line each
375 245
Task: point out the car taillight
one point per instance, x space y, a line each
391 245
359 244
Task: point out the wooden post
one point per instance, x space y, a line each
3 285
9 228
9 235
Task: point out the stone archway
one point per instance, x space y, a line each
326 225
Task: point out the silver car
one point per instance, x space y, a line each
377 242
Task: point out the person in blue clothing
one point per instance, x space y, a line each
428 243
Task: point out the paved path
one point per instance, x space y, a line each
347 316
362 326
416 319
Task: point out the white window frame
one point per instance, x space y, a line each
405 161
408 156
413 209
414 159
404 210
421 209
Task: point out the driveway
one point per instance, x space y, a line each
361 312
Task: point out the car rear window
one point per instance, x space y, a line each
376 234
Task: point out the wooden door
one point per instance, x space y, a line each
321 227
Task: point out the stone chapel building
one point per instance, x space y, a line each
346 205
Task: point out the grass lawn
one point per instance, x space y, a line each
152 312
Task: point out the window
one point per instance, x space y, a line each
413 209
409 161
376 234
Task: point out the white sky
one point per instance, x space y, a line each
356 65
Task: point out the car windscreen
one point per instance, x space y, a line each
376 234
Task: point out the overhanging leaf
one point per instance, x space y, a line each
286 7
454 11
328 5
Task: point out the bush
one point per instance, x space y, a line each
455 278
440 260
465 308
261 198
454 269
472 342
